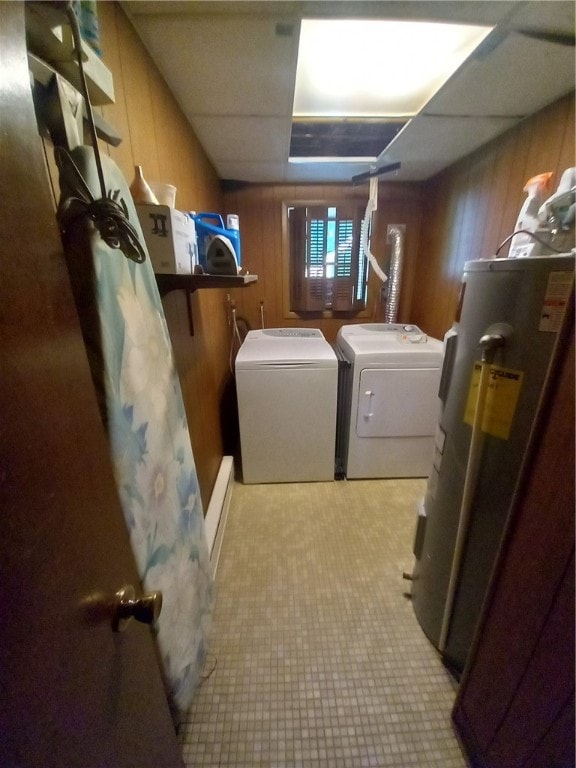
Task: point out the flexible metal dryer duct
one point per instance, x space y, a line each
394 235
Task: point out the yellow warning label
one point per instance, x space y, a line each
501 400
555 301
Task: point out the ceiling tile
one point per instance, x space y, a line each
249 138
253 172
519 77
328 172
444 139
229 66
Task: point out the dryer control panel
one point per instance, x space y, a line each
404 332
411 334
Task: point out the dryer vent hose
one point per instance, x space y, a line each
395 235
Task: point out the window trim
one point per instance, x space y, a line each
365 311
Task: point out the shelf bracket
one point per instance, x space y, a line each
190 283
189 309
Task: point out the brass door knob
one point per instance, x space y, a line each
145 609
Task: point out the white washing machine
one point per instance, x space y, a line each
286 385
394 404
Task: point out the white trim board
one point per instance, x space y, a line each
215 520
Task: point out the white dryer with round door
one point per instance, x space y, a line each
394 399
286 384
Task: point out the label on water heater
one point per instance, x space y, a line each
501 400
555 301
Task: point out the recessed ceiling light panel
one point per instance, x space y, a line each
374 68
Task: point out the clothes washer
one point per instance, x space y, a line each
286 384
394 404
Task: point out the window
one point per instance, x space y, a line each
327 267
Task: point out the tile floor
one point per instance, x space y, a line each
316 659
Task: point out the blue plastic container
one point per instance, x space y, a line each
208 225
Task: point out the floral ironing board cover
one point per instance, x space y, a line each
140 398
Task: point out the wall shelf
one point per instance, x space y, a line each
49 36
191 283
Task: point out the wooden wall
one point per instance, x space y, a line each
264 248
470 208
157 136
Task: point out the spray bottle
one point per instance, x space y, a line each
538 189
558 213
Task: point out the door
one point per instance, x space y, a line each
397 402
287 423
73 692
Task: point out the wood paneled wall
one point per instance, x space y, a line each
472 207
157 136
264 248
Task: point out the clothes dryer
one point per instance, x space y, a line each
286 384
394 399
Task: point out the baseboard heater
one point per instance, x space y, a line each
215 520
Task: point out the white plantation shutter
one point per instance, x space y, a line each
325 259
344 266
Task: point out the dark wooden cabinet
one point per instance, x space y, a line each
515 706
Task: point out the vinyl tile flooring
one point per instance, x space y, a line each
315 657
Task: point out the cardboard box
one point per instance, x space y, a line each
170 238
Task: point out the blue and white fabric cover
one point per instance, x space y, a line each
140 397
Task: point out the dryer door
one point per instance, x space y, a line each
398 402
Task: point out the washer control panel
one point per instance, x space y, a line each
294 333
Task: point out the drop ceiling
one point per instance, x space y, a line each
231 66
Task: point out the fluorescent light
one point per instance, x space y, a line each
303 160
374 68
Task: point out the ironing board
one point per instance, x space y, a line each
141 403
